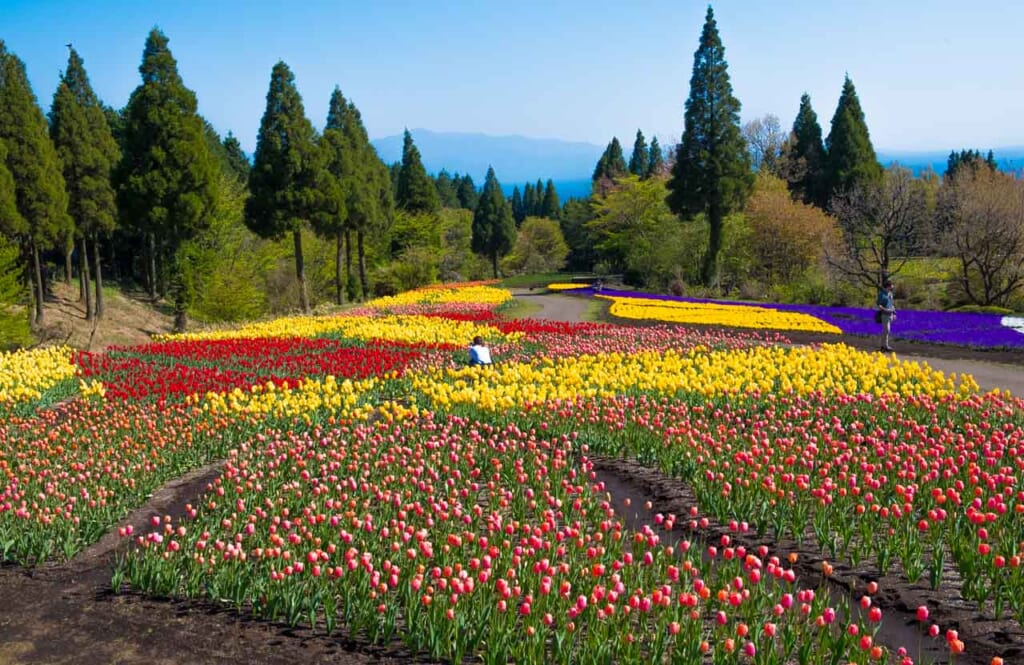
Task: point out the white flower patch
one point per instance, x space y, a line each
1015 322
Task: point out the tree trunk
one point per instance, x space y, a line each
99 275
84 250
338 257
151 265
38 287
362 266
348 256
710 272
180 312
68 251
300 272
83 281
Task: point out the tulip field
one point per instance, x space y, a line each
374 484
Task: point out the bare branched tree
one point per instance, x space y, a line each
765 138
982 214
877 220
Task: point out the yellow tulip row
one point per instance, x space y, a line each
329 394
566 287
26 375
398 328
830 368
716 314
453 293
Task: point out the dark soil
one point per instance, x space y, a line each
983 636
68 613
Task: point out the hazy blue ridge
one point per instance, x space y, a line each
518 160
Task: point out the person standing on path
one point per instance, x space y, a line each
886 313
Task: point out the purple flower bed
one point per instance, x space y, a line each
979 330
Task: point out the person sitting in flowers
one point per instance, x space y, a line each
479 354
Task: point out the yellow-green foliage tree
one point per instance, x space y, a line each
787 237
539 248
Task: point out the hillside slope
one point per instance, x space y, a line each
127 319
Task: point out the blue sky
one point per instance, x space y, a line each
931 75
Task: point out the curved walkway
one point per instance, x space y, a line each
988 375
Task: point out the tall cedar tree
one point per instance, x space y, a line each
238 162
466 191
289 184
446 190
610 167
808 150
550 206
518 212
167 180
88 153
851 159
341 163
370 201
712 172
640 158
416 191
494 229
41 201
655 159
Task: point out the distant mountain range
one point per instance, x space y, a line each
518 160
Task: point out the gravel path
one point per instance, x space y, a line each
989 375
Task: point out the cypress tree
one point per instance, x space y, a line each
340 163
289 184
468 196
494 229
394 173
851 159
612 163
168 180
370 202
518 213
529 200
416 192
640 159
711 175
446 190
538 193
809 150
88 153
550 206
238 162
655 159
40 198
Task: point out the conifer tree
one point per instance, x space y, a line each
494 229
416 191
289 185
40 198
468 196
655 159
807 153
529 200
88 153
341 163
711 175
518 212
640 159
370 202
550 206
446 190
237 160
851 159
168 180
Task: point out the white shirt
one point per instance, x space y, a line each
479 354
